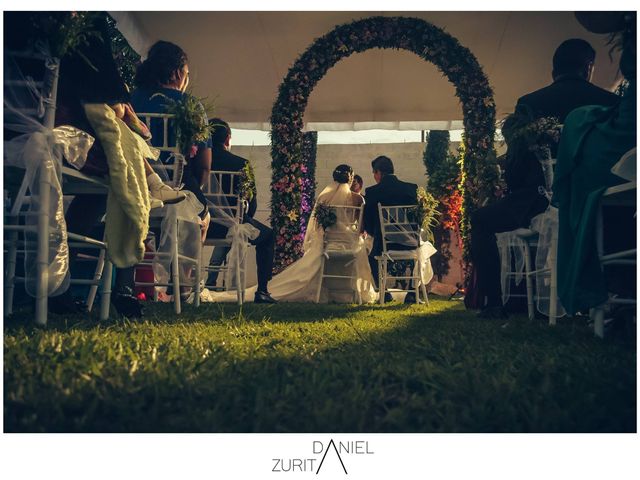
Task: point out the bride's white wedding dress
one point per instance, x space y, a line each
299 282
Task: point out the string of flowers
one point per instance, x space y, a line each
432 44
308 187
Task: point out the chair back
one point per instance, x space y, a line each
626 166
548 165
345 233
30 80
399 227
171 166
224 198
35 77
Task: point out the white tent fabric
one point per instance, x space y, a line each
239 59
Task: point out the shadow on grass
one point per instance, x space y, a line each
343 369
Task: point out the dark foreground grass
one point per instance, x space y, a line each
310 368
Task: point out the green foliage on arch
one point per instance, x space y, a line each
479 167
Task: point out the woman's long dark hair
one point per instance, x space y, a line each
163 60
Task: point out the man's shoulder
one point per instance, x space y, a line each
604 97
410 185
372 188
225 160
578 90
407 185
533 98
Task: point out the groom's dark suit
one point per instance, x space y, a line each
225 161
390 191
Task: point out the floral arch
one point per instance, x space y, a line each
290 208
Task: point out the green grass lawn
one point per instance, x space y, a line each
315 368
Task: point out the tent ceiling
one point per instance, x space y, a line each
240 58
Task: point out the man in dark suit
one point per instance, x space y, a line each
388 191
571 88
224 160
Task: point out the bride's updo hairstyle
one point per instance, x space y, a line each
343 174
163 60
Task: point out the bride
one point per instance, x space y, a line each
300 281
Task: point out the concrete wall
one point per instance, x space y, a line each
407 159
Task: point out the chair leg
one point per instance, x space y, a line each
96 278
382 278
196 300
355 284
417 279
9 286
239 291
244 281
175 270
597 315
42 288
319 290
423 287
553 287
105 301
528 281
424 292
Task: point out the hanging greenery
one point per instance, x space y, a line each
443 171
432 44
126 58
247 186
190 120
426 212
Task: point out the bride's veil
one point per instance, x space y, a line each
334 194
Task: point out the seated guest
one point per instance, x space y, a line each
571 88
388 191
163 77
593 140
224 160
356 186
89 81
161 81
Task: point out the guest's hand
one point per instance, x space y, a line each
118 108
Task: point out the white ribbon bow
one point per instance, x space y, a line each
239 234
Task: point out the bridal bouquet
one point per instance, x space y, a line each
325 215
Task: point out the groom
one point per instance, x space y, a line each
224 160
388 191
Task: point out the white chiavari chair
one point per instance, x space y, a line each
401 240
